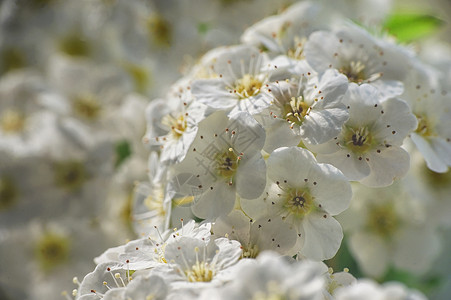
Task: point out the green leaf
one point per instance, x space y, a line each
412 26
123 151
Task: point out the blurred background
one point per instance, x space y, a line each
75 79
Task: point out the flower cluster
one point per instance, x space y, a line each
249 175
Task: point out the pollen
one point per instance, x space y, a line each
355 71
201 271
177 125
299 202
295 111
247 86
425 127
227 163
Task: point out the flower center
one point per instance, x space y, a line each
70 175
354 71
227 163
155 201
159 30
273 292
359 140
87 107
200 272
297 51
247 86
8 193
52 250
251 251
424 127
383 220
178 125
295 111
12 121
74 45
299 202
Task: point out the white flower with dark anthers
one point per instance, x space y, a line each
224 161
194 264
306 195
147 252
308 110
241 82
370 290
271 276
172 125
284 36
256 236
432 107
117 281
390 227
361 57
368 149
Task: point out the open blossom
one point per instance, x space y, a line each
271 276
240 81
390 227
432 108
361 57
173 123
368 148
306 110
305 195
258 235
224 161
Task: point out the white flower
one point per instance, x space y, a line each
306 195
361 57
271 276
284 36
172 125
432 108
224 160
368 149
370 290
194 264
240 86
308 110
389 227
256 236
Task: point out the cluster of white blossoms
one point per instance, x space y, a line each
314 138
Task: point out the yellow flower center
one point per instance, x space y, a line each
87 107
383 220
297 51
354 71
12 59
155 201
227 163
52 250
12 121
359 140
74 45
200 272
425 128
70 175
295 111
160 30
299 202
250 251
247 86
178 125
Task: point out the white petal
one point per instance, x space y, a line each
215 202
292 164
322 238
391 164
433 160
213 92
251 177
352 167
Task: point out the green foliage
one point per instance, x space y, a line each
409 27
123 151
